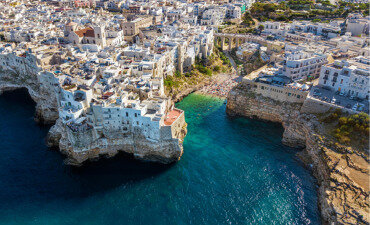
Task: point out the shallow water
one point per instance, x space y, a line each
233 171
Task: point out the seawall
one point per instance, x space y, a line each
340 171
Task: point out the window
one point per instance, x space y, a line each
135 114
126 114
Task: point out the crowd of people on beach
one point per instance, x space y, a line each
220 87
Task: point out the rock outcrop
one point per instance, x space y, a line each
342 173
166 150
24 72
28 77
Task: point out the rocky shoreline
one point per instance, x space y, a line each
342 173
167 150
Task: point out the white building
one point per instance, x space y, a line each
350 77
301 64
358 25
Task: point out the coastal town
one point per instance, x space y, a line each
107 74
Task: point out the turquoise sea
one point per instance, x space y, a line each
233 171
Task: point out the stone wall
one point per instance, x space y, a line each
279 93
316 106
178 125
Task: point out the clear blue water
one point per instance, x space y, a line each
233 171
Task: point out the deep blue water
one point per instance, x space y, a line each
233 171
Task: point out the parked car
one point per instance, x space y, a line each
333 100
348 106
351 97
341 94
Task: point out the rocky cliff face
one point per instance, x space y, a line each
42 94
342 173
21 73
166 150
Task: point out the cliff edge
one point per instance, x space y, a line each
80 144
91 145
28 76
341 172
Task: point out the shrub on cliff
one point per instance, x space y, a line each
203 70
333 117
352 128
217 68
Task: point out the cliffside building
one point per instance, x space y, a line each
349 77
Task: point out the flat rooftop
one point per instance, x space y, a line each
172 117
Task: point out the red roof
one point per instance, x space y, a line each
109 93
172 116
87 32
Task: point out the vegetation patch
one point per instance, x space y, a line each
348 129
202 70
303 9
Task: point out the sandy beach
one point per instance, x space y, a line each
220 85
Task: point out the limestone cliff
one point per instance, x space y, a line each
24 72
89 147
341 172
15 77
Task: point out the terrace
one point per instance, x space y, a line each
172 116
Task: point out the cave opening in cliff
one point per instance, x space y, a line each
19 95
